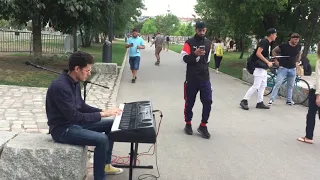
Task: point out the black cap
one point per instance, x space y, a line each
200 25
271 31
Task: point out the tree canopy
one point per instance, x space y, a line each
240 18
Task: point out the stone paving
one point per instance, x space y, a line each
22 109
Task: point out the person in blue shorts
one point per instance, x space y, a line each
135 43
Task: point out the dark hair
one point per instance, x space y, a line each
218 41
81 59
134 30
295 35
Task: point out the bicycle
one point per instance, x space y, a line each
300 85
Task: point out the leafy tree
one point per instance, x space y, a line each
149 27
238 19
167 24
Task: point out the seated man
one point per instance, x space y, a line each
72 121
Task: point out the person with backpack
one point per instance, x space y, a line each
261 64
218 54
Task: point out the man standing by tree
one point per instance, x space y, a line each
135 43
287 66
196 54
158 43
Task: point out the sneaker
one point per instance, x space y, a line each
133 81
244 104
203 130
261 105
157 63
188 129
109 169
270 103
290 103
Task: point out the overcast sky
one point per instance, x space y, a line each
180 8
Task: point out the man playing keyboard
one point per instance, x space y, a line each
72 121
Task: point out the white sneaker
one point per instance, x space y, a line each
270 103
290 103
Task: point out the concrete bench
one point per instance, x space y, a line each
247 77
36 156
105 68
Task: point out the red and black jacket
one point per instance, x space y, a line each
197 67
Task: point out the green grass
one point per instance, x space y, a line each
175 47
118 52
231 64
14 72
26 78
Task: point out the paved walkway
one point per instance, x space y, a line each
22 109
244 145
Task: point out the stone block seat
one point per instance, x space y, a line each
35 156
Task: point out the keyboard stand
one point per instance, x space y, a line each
133 160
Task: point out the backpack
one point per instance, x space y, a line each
250 64
219 51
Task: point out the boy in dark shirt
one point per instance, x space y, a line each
72 121
287 66
260 73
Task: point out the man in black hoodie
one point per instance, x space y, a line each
196 54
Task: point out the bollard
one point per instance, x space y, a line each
107 52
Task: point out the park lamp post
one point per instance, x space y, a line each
107 46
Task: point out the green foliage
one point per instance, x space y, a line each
239 18
167 24
185 30
149 27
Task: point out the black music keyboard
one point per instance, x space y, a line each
135 124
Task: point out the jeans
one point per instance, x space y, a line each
190 92
91 135
134 62
259 84
283 73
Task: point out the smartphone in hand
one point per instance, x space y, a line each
202 48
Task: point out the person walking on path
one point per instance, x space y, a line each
158 43
260 57
218 54
135 43
196 54
314 104
287 66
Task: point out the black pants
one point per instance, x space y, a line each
191 90
217 60
311 116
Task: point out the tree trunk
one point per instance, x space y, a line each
36 37
75 38
97 40
310 35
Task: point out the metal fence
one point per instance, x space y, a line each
173 39
22 41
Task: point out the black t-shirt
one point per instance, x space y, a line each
264 44
288 50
